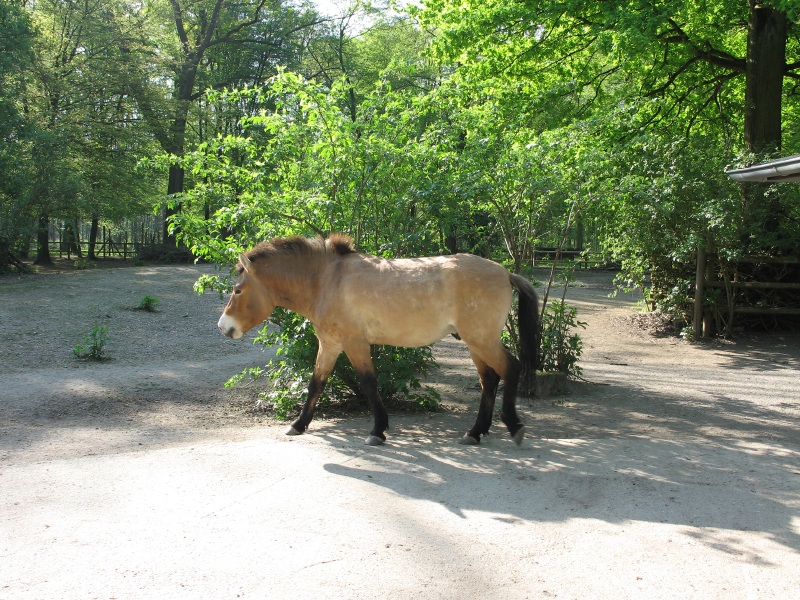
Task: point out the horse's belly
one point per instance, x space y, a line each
406 327
411 338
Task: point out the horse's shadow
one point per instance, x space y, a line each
714 490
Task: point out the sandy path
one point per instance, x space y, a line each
673 473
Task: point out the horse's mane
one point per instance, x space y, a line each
296 245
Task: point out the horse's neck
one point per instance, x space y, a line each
295 286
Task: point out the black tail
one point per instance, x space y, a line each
528 323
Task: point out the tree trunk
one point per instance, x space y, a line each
93 238
766 65
71 240
43 242
174 186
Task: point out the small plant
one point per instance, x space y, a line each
94 344
560 347
148 303
82 264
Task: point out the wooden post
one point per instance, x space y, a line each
699 292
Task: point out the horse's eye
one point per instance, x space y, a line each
237 291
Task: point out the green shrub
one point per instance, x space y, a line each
83 263
398 369
560 348
148 303
94 344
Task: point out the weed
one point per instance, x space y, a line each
148 303
560 347
82 264
94 344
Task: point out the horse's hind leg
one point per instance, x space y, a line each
489 381
361 360
326 359
509 414
507 367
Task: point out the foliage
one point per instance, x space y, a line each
82 264
641 106
148 303
16 36
292 337
94 344
560 346
300 164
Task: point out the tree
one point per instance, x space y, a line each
15 55
84 134
261 32
364 46
688 54
301 164
646 80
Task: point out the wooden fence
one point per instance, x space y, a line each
582 259
708 277
71 240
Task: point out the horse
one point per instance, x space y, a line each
356 300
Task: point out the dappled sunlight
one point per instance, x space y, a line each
666 454
616 481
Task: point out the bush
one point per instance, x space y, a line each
148 303
94 344
296 349
560 348
82 264
165 254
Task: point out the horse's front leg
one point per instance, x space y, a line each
361 360
326 359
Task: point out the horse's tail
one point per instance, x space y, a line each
528 324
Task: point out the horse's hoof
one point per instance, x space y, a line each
293 431
517 437
468 440
374 440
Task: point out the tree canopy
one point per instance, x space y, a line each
490 127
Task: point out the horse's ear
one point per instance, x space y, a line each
246 264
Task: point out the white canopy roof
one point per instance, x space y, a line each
781 169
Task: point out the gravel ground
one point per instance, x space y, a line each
672 470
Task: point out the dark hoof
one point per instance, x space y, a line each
374 440
468 440
517 437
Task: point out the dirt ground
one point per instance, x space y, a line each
672 470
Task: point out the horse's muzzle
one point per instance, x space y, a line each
228 328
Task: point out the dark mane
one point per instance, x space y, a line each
340 244
296 245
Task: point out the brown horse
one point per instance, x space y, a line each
355 300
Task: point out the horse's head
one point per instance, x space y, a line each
250 303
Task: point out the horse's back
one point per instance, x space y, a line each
417 301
